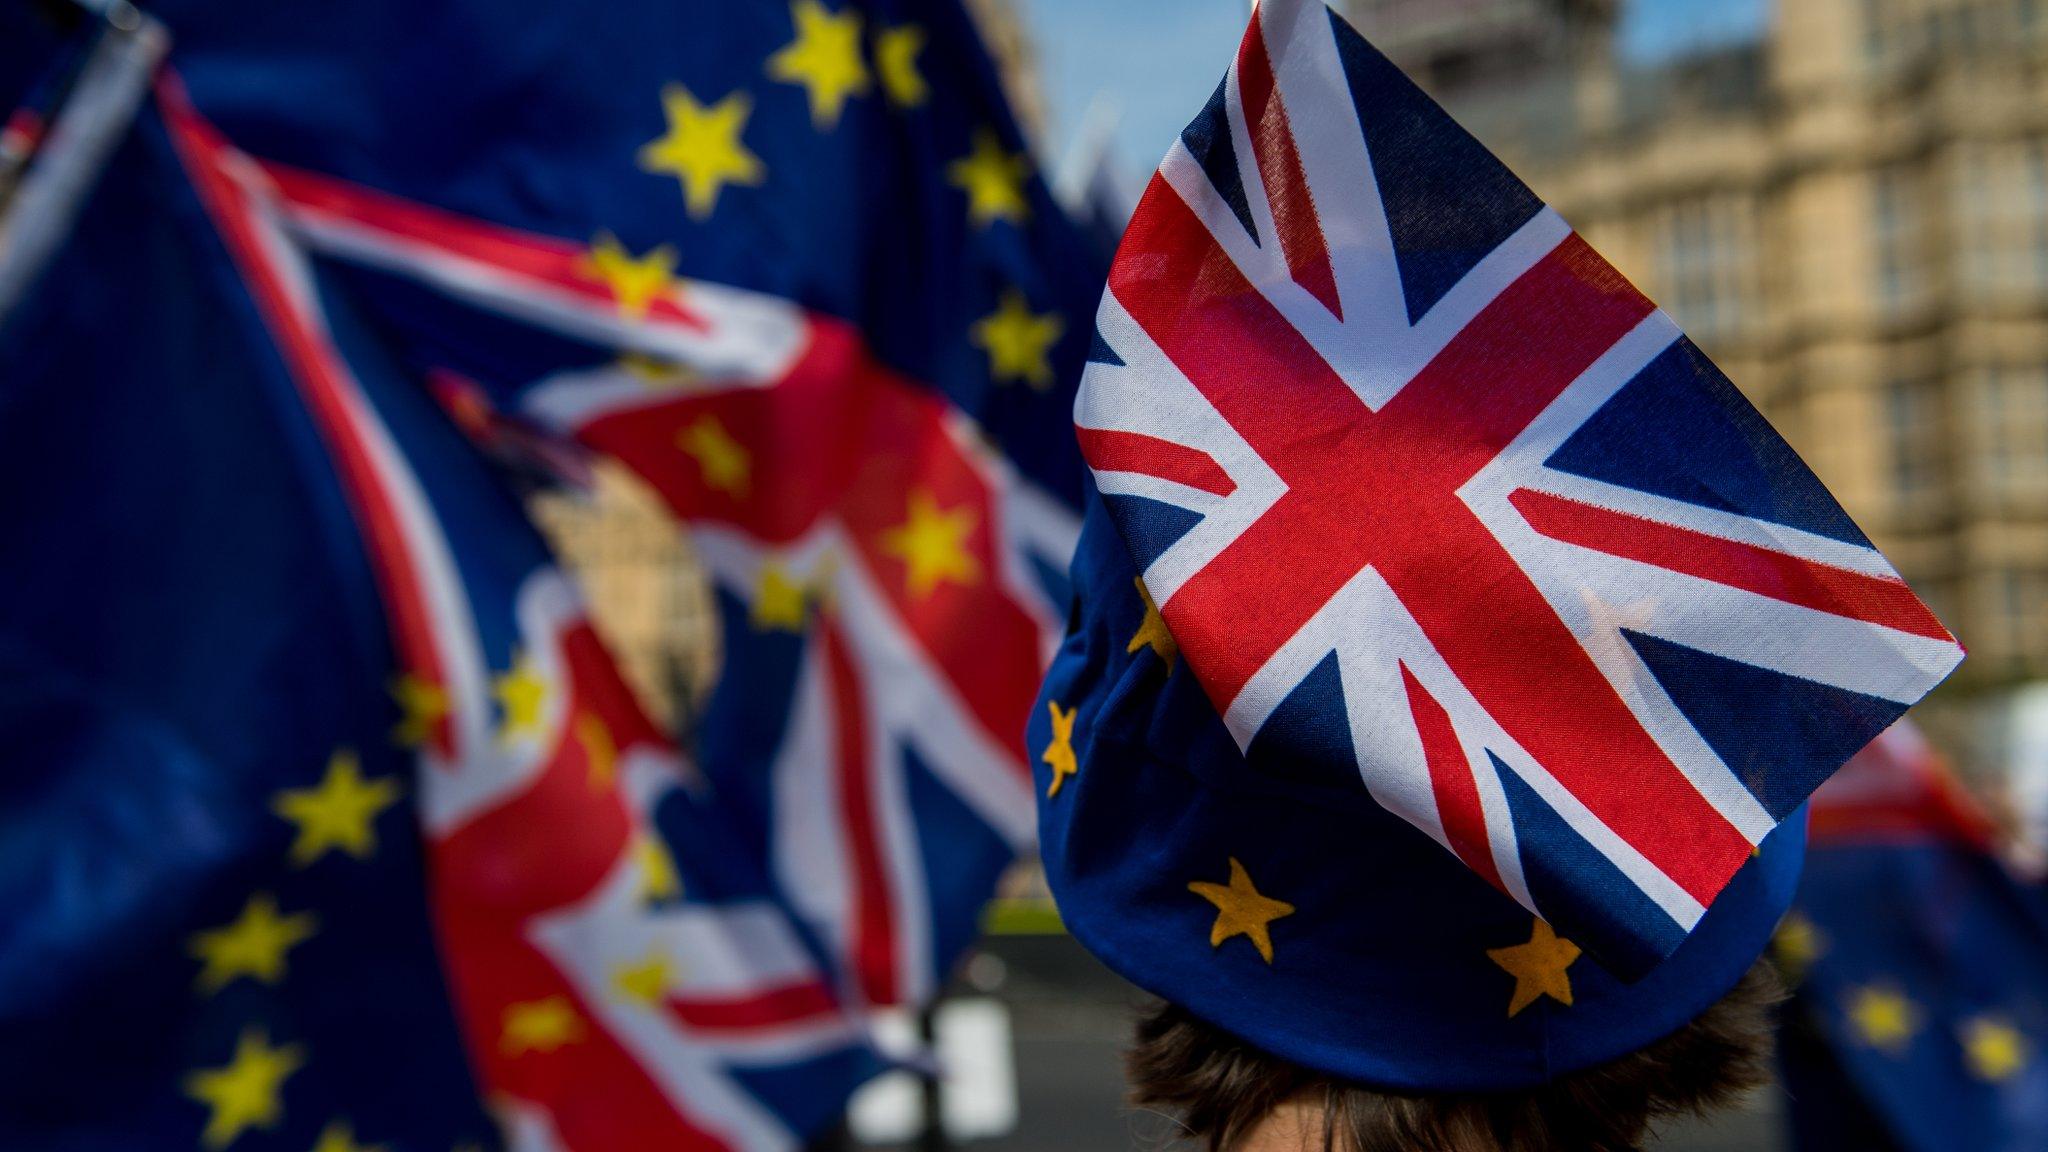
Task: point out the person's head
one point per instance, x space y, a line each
1229 1096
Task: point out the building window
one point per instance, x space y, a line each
1913 426
2002 220
1877 40
2019 611
2012 416
1901 272
2037 223
1705 257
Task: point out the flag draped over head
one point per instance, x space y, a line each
791 264
1921 966
1437 507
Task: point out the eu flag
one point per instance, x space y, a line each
1922 963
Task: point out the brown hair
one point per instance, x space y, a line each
1223 1088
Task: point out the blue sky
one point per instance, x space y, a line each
1156 61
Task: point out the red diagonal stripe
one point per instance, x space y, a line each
548 260
321 380
1883 600
1108 450
1450 778
1287 191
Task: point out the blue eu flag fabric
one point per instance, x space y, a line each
213 926
1922 969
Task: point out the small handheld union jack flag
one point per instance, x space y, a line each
1432 498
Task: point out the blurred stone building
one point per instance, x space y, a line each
648 597
1850 213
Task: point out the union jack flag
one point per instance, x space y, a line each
1432 498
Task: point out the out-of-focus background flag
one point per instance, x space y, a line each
791 265
1921 964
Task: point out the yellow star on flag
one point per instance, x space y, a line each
1242 910
1018 340
824 58
636 283
254 945
656 374
643 980
1152 631
339 812
1883 1017
338 1136
522 698
658 877
779 602
1797 944
896 52
932 544
539 1026
600 752
1539 968
993 178
422 704
1996 1050
245 1093
725 466
702 147
1059 755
